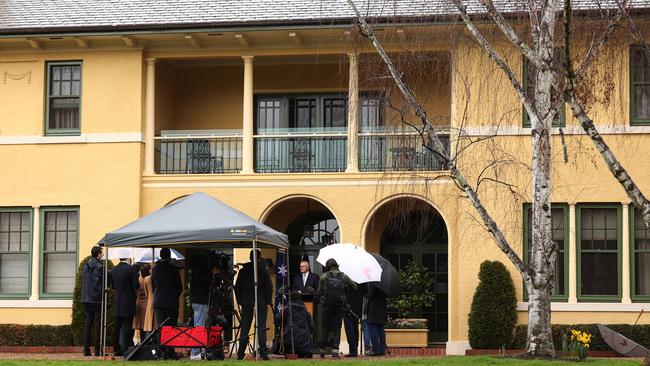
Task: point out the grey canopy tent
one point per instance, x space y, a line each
196 221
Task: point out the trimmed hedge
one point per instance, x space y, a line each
35 335
639 334
493 313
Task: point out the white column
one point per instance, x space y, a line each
247 128
625 280
150 116
573 265
36 253
353 115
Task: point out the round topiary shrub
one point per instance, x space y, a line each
493 314
79 313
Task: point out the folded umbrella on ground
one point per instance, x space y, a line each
354 261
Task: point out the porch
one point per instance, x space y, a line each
297 114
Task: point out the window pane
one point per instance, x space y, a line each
49 241
14 274
24 221
50 221
4 241
642 101
59 272
14 241
61 221
4 221
641 70
56 73
557 223
76 72
642 267
599 274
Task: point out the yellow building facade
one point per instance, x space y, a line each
297 127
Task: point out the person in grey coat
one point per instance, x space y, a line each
92 276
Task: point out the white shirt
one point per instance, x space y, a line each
304 278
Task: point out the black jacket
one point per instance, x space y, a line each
376 305
245 288
91 279
199 281
124 280
167 285
312 281
303 328
353 297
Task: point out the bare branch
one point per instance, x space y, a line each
496 57
433 140
514 38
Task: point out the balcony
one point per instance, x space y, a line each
220 152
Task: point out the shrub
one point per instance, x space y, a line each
35 335
639 334
79 313
12 334
494 308
48 335
417 291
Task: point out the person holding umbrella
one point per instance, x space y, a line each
376 319
331 288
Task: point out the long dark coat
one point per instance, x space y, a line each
245 287
303 328
166 284
376 305
124 279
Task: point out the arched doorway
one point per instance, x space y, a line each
310 226
409 229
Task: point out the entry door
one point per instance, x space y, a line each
434 257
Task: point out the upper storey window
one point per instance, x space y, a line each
63 98
639 85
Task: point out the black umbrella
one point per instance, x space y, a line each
389 283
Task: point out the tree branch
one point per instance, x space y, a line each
615 167
434 141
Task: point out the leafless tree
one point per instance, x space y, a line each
536 32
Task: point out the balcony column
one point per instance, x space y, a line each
150 117
247 128
353 115
36 254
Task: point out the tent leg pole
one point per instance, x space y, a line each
104 315
293 348
256 347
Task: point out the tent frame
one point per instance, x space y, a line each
104 309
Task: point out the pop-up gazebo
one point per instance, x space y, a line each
195 221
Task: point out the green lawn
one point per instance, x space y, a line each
442 361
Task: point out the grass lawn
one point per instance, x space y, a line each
442 361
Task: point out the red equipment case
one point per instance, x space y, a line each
190 336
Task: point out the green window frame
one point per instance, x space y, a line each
564 255
559 122
9 232
594 237
63 98
639 247
58 238
638 85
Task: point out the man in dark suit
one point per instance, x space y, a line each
306 282
245 292
167 288
124 280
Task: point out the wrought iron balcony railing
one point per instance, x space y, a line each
198 154
300 153
396 151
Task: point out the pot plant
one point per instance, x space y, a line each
418 292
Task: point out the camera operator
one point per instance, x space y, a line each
245 292
199 289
